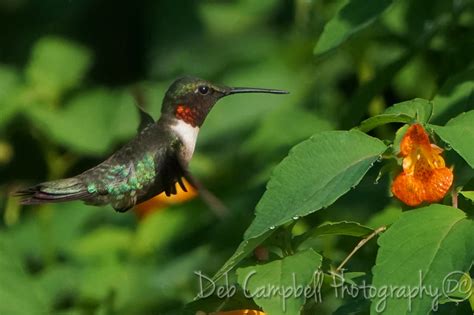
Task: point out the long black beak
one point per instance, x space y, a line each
237 90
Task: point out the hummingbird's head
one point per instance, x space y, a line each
191 99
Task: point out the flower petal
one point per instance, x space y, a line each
240 312
425 178
408 189
438 184
414 138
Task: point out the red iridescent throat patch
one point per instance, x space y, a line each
189 115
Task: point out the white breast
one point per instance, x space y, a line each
188 135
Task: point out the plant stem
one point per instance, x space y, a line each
360 244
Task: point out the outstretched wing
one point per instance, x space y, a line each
214 203
145 118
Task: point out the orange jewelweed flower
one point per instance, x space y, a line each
240 312
425 177
162 201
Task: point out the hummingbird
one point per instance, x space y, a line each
154 161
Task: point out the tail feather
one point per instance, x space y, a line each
54 191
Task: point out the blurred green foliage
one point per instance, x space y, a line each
66 72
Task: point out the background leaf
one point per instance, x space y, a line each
18 293
455 96
57 65
104 111
243 250
10 84
459 134
264 142
468 194
353 17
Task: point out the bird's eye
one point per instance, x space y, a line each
203 89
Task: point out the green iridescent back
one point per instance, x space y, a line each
132 173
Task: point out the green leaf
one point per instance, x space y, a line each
455 96
471 301
462 291
341 228
385 217
353 307
110 117
9 85
9 81
174 272
99 280
66 224
459 134
216 303
263 141
362 98
244 249
315 174
311 180
399 134
159 228
418 109
57 65
430 246
66 126
285 275
383 119
228 18
55 282
333 228
103 241
353 17
232 115
468 194
19 295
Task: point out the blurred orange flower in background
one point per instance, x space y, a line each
425 177
240 312
162 201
